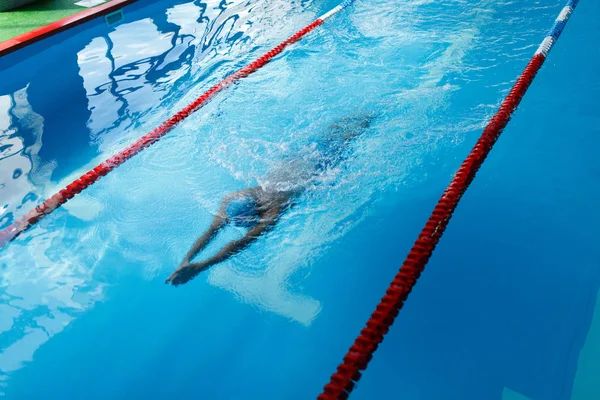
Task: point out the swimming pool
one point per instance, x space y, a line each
506 308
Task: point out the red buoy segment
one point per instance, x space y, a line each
348 372
49 205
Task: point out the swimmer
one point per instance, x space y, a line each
259 208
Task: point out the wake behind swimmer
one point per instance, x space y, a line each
259 208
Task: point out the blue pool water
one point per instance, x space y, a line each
507 308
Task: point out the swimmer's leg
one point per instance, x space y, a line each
348 128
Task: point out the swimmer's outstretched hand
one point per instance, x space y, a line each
183 274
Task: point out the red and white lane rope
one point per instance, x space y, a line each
87 179
348 372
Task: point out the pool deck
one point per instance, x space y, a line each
44 18
27 18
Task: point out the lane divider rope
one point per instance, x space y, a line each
348 372
49 205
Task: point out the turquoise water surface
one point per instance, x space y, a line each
507 307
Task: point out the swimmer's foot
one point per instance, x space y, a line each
183 274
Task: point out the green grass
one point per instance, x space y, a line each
32 16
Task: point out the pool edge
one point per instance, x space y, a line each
27 38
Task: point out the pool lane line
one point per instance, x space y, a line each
348 372
27 38
34 216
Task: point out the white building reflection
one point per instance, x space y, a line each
18 160
132 71
36 286
128 75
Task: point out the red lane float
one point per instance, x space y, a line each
359 355
348 372
34 216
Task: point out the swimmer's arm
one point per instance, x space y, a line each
187 270
217 224
266 222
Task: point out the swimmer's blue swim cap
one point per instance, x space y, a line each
243 211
